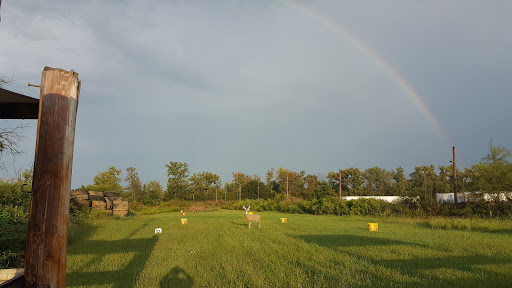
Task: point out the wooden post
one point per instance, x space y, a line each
45 260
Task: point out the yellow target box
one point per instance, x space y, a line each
183 221
284 220
251 213
373 226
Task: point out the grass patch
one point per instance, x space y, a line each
471 224
308 251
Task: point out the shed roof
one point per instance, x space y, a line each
17 106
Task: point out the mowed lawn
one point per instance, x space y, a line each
216 249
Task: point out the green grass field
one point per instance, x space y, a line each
308 251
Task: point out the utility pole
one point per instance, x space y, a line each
258 190
340 184
47 236
424 184
239 186
287 190
454 177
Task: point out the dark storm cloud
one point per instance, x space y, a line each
250 85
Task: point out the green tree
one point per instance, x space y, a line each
254 188
202 182
134 186
494 172
378 181
401 183
491 177
422 182
334 180
250 189
239 180
270 178
153 193
290 180
463 179
106 181
323 189
311 187
231 190
352 181
497 155
444 180
177 182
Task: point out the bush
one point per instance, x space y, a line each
10 259
373 207
332 205
14 212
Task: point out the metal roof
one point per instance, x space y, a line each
17 106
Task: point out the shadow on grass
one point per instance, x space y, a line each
463 263
177 278
332 241
108 254
240 224
441 271
79 233
426 271
466 229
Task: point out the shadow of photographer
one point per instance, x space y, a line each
177 277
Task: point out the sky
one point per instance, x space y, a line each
230 86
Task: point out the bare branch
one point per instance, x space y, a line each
10 138
5 80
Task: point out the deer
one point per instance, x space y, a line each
252 217
183 213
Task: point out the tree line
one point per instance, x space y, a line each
492 174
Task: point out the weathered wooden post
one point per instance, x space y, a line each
45 260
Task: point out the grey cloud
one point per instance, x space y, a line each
250 85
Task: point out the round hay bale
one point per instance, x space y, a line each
95 193
82 202
120 205
97 198
80 196
111 194
101 205
74 193
110 203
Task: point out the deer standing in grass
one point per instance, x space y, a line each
252 217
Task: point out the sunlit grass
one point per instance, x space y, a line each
216 249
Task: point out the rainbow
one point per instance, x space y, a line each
388 69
